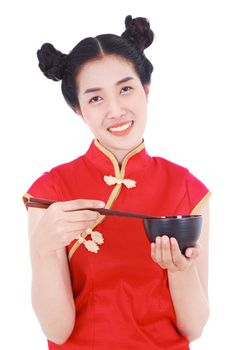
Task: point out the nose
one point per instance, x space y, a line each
114 109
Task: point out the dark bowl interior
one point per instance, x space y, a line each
186 229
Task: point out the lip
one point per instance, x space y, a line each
121 132
119 124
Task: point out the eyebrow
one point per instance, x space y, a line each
121 81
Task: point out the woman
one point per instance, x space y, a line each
97 282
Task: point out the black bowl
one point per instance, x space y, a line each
186 229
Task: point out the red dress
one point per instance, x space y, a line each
122 297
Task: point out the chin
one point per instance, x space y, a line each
127 144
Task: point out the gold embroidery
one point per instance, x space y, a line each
97 237
112 180
92 245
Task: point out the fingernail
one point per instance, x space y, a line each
101 204
172 240
158 239
188 252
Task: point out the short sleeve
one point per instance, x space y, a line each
196 194
44 187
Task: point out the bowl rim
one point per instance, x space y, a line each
175 217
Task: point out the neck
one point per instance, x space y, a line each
119 153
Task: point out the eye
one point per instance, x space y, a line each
95 99
126 89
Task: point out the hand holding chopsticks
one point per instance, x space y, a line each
61 224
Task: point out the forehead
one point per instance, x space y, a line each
105 70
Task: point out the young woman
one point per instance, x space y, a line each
97 281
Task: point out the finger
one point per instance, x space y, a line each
188 252
178 259
68 237
153 250
81 215
77 226
71 236
77 204
166 253
193 252
158 250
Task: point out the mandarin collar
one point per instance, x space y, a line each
105 161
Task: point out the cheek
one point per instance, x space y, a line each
86 116
91 110
92 118
141 106
86 113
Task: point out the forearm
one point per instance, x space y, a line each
50 231
190 302
52 297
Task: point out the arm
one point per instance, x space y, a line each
50 230
52 298
188 279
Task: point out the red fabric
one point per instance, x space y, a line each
122 297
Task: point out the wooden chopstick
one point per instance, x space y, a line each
39 202
45 203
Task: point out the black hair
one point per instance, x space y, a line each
130 45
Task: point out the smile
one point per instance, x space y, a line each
120 127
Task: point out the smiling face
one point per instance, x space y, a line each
113 103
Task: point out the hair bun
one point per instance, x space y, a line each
52 62
138 32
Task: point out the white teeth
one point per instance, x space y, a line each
121 128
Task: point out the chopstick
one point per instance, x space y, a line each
39 202
45 203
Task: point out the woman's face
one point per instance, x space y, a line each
113 103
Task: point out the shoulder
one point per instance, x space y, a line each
66 168
170 167
49 184
180 179
62 170
174 170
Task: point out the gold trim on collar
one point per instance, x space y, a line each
109 155
118 172
129 155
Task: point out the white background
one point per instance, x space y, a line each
196 109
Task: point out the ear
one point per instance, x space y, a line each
147 89
78 111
